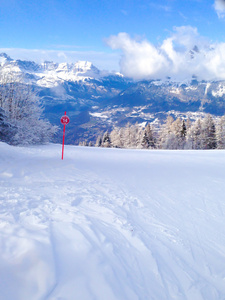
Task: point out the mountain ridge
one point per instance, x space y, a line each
48 73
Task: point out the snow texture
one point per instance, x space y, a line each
111 224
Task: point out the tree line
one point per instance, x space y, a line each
203 133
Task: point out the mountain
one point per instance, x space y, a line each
149 100
97 100
49 74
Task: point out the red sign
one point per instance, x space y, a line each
65 120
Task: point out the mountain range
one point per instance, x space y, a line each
97 100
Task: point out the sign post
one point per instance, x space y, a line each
64 120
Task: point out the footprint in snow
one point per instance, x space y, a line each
76 201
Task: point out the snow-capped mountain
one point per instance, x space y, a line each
49 74
97 101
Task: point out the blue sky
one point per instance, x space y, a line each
100 30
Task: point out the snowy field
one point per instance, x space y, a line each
109 224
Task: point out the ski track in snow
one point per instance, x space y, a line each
111 224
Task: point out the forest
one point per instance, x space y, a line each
203 133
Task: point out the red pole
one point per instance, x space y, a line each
64 130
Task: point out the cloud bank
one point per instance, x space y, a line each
182 55
219 6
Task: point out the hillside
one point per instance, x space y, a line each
111 224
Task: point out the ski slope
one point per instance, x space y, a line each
110 224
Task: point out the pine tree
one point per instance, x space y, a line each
98 141
127 136
220 133
121 138
106 142
194 135
115 138
208 133
148 140
145 141
166 137
135 136
178 134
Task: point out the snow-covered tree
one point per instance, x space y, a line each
98 141
106 142
208 133
178 134
220 133
83 143
6 130
130 136
166 137
148 140
23 112
145 141
173 134
115 137
194 135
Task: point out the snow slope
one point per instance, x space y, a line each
109 224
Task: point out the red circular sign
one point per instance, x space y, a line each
65 120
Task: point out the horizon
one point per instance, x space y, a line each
106 34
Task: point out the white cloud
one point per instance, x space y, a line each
219 6
180 56
165 8
139 59
184 54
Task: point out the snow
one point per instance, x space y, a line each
208 84
54 74
219 92
175 90
111 224
98 115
